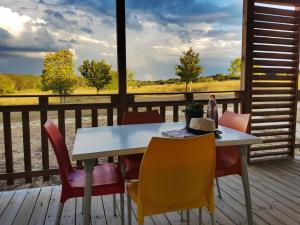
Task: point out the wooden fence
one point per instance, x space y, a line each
110 110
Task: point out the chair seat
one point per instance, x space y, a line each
107 179
132 165
227 161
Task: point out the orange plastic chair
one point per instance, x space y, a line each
175 174
132 162
228 160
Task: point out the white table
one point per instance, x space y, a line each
99 142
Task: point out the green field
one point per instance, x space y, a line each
231 85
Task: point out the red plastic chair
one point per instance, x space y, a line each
132 162
107 178
228 161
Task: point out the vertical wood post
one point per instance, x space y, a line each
294 128
8 148
121 55
26 145
189 96
43 102
247 49
78 124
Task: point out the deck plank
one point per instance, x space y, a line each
68 215
40 210
239 207
226 209
279 211
4 200
274 191
79 212
97 211
108 206
27 207
260 205
272 183
13 207
238 195
53 206
289 172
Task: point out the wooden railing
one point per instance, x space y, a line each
21 162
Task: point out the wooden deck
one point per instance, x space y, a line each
275 189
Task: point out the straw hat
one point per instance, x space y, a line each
201 126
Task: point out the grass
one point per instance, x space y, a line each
232 85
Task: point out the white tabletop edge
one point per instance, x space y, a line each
139 148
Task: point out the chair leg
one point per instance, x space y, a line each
129 209
188 217
200 216
115 205
181 216
59 213
213 218
218 187
82 205
122 209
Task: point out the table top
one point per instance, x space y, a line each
98 142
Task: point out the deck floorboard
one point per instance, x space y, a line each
274 188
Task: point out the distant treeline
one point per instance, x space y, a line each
9 83
217 77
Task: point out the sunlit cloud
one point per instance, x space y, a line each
12 21
157 33
93 41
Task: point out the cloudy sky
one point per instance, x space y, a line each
158 31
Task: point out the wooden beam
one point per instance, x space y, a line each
121 51
280 2
294 130
247 49
121 45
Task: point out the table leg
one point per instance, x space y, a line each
245 180
88 167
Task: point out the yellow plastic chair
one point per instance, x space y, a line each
175 174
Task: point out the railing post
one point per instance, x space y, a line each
241 96
189 96
8 148
43 103
122 102
26 146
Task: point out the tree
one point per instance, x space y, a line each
58 73
131 82
235 68
130 78
7 86
189 69
97 74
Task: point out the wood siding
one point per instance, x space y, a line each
272 69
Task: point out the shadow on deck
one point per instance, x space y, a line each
275 192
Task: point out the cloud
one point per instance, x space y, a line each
12 21
26 38
158 31
86 30
13 63
93 41
4 34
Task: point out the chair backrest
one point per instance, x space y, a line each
235 121
141 117
60 149
177 174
